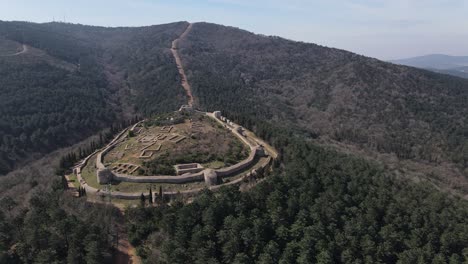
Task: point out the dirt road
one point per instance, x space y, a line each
25 49
176 55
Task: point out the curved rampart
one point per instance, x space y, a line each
187 178
110 146
263 166
82 182
170 194
239 166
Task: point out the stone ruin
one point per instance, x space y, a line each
211 178
187 108
241 131
125 168
166 129
176 138
188 168
148 151
260 151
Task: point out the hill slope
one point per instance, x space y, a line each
74 80
330 94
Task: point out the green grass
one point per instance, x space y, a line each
74 180
214 164
133 187
89 173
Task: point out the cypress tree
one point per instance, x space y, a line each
142 200
150 196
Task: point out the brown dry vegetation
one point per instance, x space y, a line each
333 96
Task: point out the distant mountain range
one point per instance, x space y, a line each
453 65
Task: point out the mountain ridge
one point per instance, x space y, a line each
434 61
440 63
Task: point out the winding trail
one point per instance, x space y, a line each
176 55
25 49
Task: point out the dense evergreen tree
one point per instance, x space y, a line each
325 207
150 197
142 200
62 91
47 233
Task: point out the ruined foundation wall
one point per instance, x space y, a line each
193 177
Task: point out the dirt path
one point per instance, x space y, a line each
176 55
126 253
25 49
71 186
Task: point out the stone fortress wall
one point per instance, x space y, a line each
210 176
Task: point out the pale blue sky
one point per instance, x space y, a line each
385 29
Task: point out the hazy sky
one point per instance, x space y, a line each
385 29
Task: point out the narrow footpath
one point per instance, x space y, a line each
126 253
175 53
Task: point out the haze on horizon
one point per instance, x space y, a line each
376 28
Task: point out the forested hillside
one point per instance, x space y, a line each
323 207
69 83
74 80
56 229
331 94
62 83
44 107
